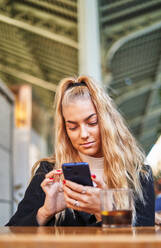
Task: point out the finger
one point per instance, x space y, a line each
47 181
56 174
99 183
72 203
73 194
53 173
87 202
77 204
75 186
50 188
60 186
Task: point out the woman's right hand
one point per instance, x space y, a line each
54 197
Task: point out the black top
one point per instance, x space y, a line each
34 199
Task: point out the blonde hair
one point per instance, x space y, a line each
123 159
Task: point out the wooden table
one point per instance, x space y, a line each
80 237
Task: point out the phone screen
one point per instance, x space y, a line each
78 173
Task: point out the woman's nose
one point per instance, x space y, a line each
84 132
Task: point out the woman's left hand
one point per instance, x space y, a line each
82 198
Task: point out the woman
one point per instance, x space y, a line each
88 128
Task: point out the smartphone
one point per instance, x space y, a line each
78 173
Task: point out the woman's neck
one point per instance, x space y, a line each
94 163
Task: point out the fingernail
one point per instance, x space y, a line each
51 178
93 176
64 181
59 171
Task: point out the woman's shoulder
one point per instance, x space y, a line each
146 170
146 175
146 167
44 167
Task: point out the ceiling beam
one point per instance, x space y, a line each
124 40
47 6
28 78
126 11
36 30
135 121
134 92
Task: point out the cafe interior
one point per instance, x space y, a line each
118 42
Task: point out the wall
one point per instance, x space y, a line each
6 153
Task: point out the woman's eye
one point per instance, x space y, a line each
72 128
92 123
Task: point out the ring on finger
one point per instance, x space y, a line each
76 204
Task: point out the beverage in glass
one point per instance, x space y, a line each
116 207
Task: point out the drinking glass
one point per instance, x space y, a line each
116 207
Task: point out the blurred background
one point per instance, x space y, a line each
118 42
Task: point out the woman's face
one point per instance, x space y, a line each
82 127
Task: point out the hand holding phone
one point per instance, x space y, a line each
77 172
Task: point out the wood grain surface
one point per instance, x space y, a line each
80 237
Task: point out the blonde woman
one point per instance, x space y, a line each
88 128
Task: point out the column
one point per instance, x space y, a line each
89 39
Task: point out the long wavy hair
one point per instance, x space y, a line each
123 158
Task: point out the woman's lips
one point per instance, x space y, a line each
87 145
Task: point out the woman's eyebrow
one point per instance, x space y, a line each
86 119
